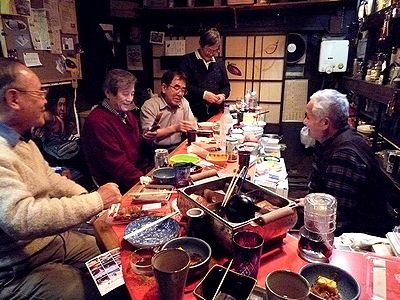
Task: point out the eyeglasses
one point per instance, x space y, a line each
178 89
41 92
211 50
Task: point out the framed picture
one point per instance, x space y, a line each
157 37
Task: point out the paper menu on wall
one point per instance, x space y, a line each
106 271
174 47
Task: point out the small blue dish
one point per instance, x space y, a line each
347 286
154 236
164 176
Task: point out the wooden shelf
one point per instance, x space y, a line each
380 93
269 6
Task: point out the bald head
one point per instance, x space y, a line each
22 102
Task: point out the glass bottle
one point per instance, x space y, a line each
226 123
316 236
253 101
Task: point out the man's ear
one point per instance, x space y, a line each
11 99
164 88
325 122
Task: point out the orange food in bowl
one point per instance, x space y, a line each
218 158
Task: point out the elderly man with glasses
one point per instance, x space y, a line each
173 110
207 80
40 257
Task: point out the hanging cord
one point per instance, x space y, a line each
78 127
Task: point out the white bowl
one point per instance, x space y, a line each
252 133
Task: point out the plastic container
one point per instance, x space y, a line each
316 236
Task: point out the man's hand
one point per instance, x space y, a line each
299 202
184 126
221 98
110 194
211 97
150 135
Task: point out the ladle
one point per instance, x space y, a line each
240 207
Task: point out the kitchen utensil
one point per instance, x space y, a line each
272 225
222 280
239 207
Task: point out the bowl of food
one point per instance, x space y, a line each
234 285
164 176
206 125
198 250
330 282
217 158
184 158
140 261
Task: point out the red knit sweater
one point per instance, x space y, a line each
112 148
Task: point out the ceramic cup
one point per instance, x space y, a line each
171 267
286 285
195 225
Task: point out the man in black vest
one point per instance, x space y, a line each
345 167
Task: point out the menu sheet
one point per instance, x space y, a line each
106 271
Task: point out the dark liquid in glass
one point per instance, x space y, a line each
314 247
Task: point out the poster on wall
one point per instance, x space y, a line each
59 136
134 57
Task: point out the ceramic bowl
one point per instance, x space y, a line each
284 284
252 133
252 147
140 261
164 176
154 236
235 285
206 125
348 287
184 158
198 250
217 158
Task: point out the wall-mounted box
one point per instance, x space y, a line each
333 56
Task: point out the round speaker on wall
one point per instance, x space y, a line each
296 48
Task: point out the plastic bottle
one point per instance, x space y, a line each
247 100
253 101
226 123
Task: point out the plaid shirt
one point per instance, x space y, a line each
345 178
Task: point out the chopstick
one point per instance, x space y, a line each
231 187
227 194
152 193
141 229
222 280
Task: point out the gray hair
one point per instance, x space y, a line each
8 74
118 79
210 38
333 105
